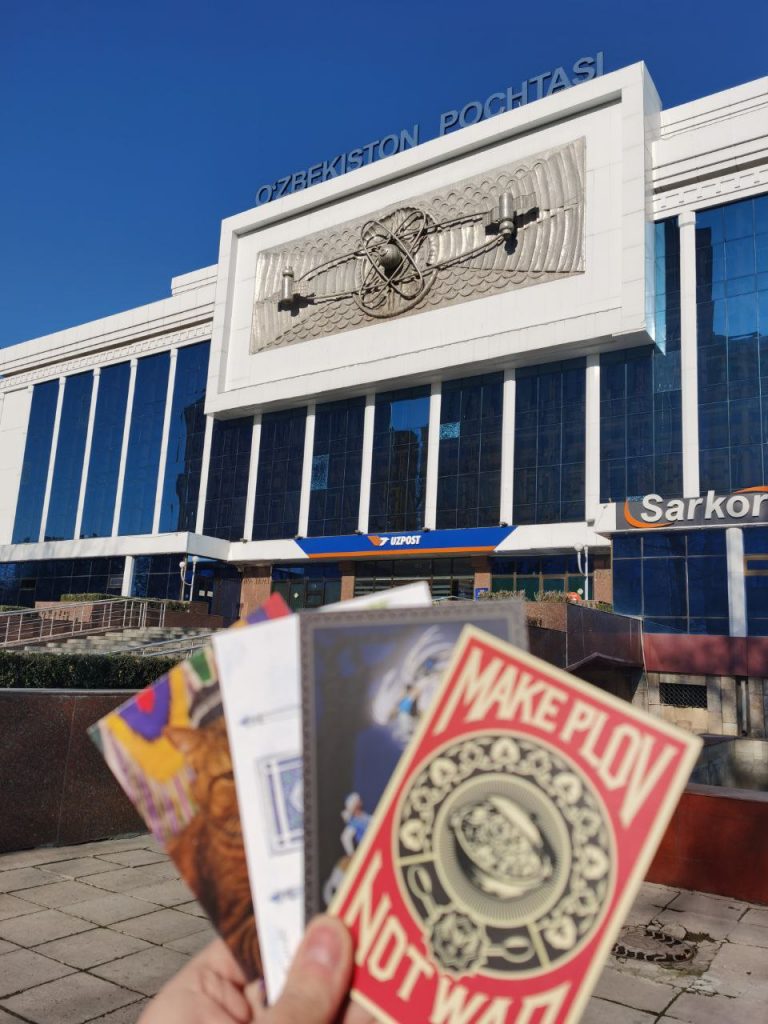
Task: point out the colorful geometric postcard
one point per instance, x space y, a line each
167 746
509 845
367 680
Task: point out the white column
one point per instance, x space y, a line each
87 451
164 442
365 469
124 449
204 469
737 592
128 570
306 470
52 457
689 380
433 452
592 438
508 449
250 498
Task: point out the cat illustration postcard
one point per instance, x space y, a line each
509 845
168 748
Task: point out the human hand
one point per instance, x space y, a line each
211 989
317 987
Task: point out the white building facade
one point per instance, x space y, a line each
460 363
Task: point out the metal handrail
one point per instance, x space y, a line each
69 619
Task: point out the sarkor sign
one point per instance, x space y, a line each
652 512
509 844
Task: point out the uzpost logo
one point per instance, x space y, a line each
378 542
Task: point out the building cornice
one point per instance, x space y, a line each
118 354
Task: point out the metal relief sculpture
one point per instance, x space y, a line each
509 228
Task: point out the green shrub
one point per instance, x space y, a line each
503 595
14 608
80 671
82 598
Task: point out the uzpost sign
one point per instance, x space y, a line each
652 512
477 540
536 88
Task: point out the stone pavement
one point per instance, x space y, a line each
87 933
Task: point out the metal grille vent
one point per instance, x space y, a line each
683 695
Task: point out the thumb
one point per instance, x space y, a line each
318 981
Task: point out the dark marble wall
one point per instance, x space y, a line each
55 788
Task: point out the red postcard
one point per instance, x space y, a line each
509 844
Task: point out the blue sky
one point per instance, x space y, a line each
130 129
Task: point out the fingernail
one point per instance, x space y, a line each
322 946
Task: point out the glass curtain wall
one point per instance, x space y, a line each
227 490
549 443
447 577
535 574
336 463
142 463
756 579
399 470
278 481
34 470
469 462
677 580
158 576
106 447
186 435
732 324
68 465
23 583
640 398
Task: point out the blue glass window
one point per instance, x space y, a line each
278 481
186 435
677 580
640 397
399 470
144 443
549 443
68 466
23 583
228 478
469 462
34 470
159 576
336 463
732 323
106 447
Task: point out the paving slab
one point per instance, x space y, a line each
702 903
192 908
699 925
739 970
135 858
6 947
32 929
23 969
77 998
192 944
162 926
90 949
126 1015
165 894
699 1009
14 906
59 893
144 972
749 935
107 908
639 993
599 1011
22 878
756 915
125 879
78 867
